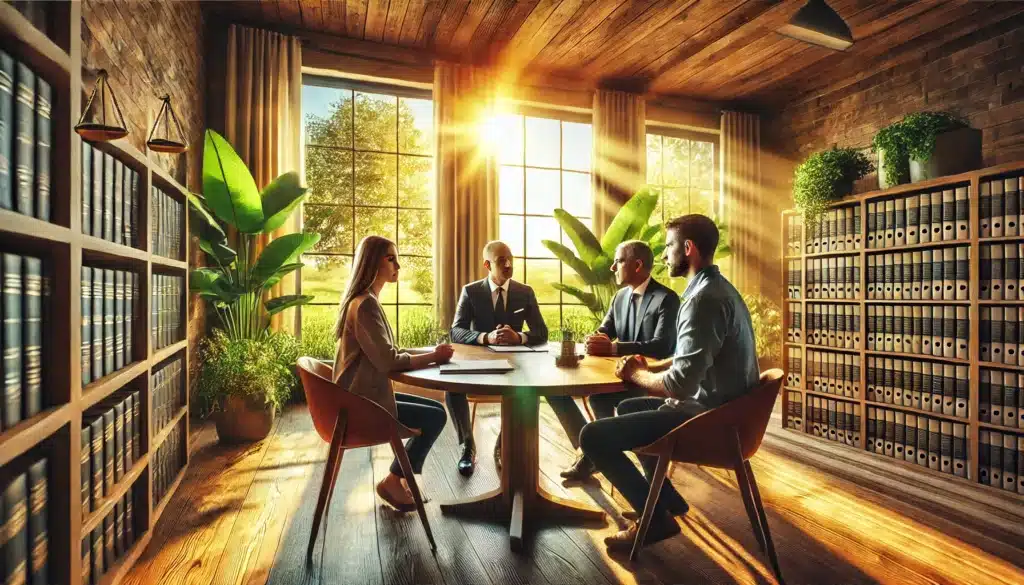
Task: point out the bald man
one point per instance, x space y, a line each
492 311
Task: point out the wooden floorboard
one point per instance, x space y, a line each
243 514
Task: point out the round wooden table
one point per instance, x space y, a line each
520 499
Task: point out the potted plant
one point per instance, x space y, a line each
242 383
235 283
893 160
825 177
767 321
940 144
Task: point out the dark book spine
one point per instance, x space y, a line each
86 301
96 431
108 321
129 435
14 529
24 139
119 468
109 555
109 453
98 166
108 197
118 319
85 461
86 561
133 235
33 336
86 188
119 528
97 323
126 207
6 129
136 424
98 566
129 520
37 523
12 342
129 317
44 142
117 201
154 312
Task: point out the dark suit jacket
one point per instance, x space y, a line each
475 313
654 334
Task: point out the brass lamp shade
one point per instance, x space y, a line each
170 139
818 24
102 127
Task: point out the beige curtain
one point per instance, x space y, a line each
744 200
466 210
262 120
620 152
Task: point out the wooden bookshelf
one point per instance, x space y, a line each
56 431
799 254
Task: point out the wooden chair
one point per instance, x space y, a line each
725 437
349 421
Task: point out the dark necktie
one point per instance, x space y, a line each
631 319
499 309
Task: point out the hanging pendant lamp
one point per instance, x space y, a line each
171 140
102 128
817 23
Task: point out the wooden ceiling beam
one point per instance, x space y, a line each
428 24
334 16
500 16
471 19
411 23
355 18
376 19
588 18
397 10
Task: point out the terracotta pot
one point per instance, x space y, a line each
243 420
956 151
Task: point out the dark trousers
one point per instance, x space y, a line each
426 415
603 406
458 405
638 423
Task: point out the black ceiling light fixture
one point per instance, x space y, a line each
818 24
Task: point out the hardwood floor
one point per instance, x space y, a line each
243 516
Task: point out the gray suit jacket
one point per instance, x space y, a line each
475 313
654 332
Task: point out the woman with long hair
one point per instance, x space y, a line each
366 355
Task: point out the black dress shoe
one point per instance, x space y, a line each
581 470
468 461
497 455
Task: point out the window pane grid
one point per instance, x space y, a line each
380 136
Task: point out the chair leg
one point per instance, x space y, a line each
330 472
410 478
586 407
748 504
652 500
759 506
472 419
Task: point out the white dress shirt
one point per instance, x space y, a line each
482 340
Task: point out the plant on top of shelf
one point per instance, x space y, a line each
825 177
234 283
911 139
593 265
893 161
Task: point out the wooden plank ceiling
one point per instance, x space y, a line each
720 50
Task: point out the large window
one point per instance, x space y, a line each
369 167
545 164
681 167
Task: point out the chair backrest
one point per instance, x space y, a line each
709 439
367 423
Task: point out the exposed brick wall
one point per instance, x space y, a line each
151 48
979 76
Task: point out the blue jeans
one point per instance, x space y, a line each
638 423
426 415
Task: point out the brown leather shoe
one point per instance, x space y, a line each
622 541
388 497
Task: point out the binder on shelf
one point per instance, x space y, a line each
897 382
997 318
934 443
985 334
910 442
1020 452
949 287
959 450
899 435
1010 462
913 219
996 393
1009 399
922 441
924 232
962 272
936 203
949 343
926 275
900 216
890 432
995 456
916 378
872 225
946 447
984 453
889 312
890 223
948 215
1011 206
962 213
948 389
998 209
937 330
961 392
897 276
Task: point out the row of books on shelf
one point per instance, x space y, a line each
1001 460
929 442
26 136
1000 211
837 230
166 224
835 420
113 538
1001 398
168 392
929 330
794 418
834 373
24 307
169 459
794 367
38 13
111 444
1001 335
1001 272
110 197
794 323
930 386
794 234
834 325
938 274
24 526
835 277
109 309
941 215
166 309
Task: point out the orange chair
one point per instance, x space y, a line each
349 421
725 437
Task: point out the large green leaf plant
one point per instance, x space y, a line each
237 277
594 262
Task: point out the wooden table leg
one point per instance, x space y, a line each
520 500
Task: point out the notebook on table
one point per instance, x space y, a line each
511 348
476 367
